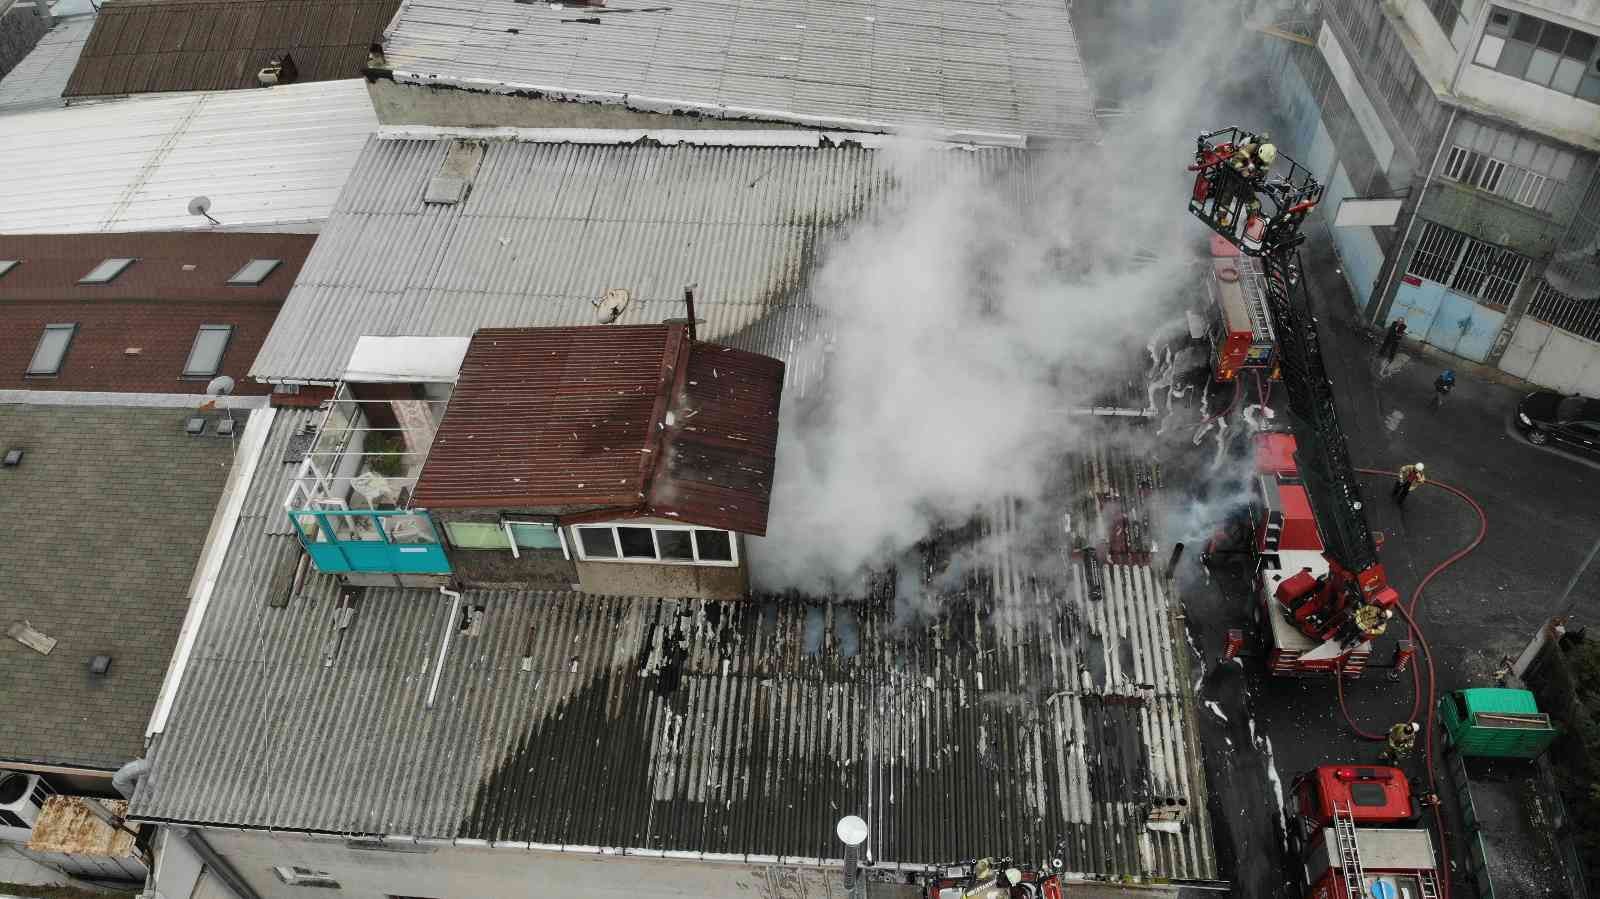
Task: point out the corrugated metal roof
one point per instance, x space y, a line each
620 420
549 227
1005 69
1035 717
267 158
141 46
41 76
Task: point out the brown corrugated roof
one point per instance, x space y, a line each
609 420
141 46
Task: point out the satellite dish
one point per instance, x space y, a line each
610 307
201 205
221 385
852 830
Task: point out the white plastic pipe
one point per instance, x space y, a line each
444 642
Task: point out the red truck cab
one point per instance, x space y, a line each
1354 827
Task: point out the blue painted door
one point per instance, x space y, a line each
1451 323
1416 301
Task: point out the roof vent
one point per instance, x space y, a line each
194 426
451 185
13 458
100 666
279 70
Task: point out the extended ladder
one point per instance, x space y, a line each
1344 834
1430 889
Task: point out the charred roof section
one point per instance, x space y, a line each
609 420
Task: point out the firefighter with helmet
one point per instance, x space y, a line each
1402 739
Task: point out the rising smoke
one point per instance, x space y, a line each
971 309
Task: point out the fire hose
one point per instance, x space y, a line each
1415 632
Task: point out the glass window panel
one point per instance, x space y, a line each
636 543
1568 73
105 271
1543 158
205 357
1589 88
52 349
1528 28
597 543
1523 154
1546 195
1542 67
714 546
255 271
1489 51
1505 146
1554 37
476 535
1461 32
1485 139
1466 132
1581 45
311 526
1561 165
675 545
535 535
7 265
1499 21
1514 61
409 529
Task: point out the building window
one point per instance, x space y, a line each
668 544
1467 266
255 271
52 349
296 876
477 535
205 356
1455 17
1547 54
1512 165
534 534
105 272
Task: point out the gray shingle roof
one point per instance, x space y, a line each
1031 720
995 69
549 226
105 518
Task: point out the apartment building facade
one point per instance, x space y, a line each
1483 118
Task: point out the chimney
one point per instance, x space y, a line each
688 301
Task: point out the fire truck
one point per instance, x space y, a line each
1323 593
1354 829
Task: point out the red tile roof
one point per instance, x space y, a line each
609 421
177 283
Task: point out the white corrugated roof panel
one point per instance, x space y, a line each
999 70
266 158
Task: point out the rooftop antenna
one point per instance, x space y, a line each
688 305
852 832
201 205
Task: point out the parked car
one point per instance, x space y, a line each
1548 416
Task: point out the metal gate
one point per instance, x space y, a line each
1455 291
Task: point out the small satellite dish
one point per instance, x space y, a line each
610 307
852 830
221 385
201 205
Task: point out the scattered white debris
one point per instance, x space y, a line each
1277 791
1165 826
1391 422
1216 709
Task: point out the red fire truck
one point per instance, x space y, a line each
1239 326
1354 830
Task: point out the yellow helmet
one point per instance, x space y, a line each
1268 153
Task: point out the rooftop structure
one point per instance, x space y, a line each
993 71
98 554
186 307
143 46
41 76
1046 714
550 221
270 159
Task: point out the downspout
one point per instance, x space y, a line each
444 642
127 779
1421 195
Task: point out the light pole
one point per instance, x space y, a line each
852 832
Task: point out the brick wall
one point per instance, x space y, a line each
163 331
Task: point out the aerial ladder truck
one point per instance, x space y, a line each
1322 590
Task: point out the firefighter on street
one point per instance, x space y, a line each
1406 480
1402 739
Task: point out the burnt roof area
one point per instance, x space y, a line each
144 46
136 327
606 421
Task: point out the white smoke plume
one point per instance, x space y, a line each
965 324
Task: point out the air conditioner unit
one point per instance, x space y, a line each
22 796
279 70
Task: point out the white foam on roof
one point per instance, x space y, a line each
273 158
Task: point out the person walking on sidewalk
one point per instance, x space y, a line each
1407 479
1391 339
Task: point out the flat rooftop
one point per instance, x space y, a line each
107 515
1039 714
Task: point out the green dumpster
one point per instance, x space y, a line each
1495 722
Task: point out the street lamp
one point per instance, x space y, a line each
852 832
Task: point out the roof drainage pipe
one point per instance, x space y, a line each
444 642
126 780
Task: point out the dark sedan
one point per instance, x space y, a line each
1547 416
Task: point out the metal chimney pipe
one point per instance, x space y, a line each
688 301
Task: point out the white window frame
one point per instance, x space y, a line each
34 370
297 876
189 369
1527 193
511 538
694 544
1456 165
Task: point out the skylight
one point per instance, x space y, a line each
255 271
106 271
7 265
